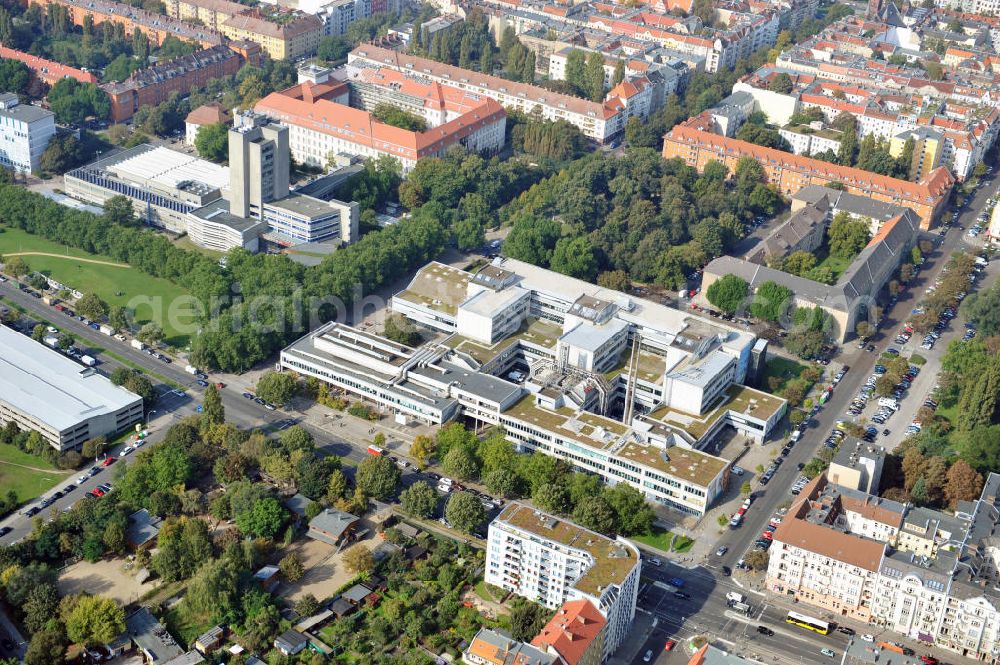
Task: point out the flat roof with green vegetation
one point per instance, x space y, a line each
98 274
439 287
698 468
583 426
28 475
740 399
535 331
651 366
613 561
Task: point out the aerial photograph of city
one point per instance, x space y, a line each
499 332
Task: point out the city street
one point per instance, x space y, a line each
706 611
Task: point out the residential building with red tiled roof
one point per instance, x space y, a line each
695 143
155 26
817 534
152 86
600 121
575 634
47 71
207 114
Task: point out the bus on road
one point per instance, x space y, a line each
808 622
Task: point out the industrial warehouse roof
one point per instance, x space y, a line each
50 387
166 167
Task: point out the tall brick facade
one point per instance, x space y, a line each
695 143
152 86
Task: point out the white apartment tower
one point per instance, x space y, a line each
551 561
25 132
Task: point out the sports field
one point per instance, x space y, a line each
106 280
26 474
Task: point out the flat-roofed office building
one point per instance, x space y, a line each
43 390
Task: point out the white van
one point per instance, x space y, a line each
888 403
734 597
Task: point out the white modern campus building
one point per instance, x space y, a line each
43 390
552 561
220 207
25 132
627 389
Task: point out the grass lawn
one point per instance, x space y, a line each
185 626
106 281
837 265
483 592
26 482
949 411
184 242
660 539
784 369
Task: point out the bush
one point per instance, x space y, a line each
918 360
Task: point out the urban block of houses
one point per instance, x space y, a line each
153 85
624 388
697 144
599 121
854 296
48 71
156 27
923 573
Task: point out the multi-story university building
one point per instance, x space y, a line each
327 116
552 561
600 121
25 132
626 389
67 403
926 574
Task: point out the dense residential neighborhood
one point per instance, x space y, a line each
500 333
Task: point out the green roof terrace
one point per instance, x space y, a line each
612 561
739 399
540 333
439 287
583 427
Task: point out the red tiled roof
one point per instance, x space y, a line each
297 106
571 631
207 114
696 131
47 70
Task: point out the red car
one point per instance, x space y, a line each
109 461
929 660
220 385
767 534
96 492
669 646
741 511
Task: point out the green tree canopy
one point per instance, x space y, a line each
95 620
728 293
464 511
212 142
377 477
